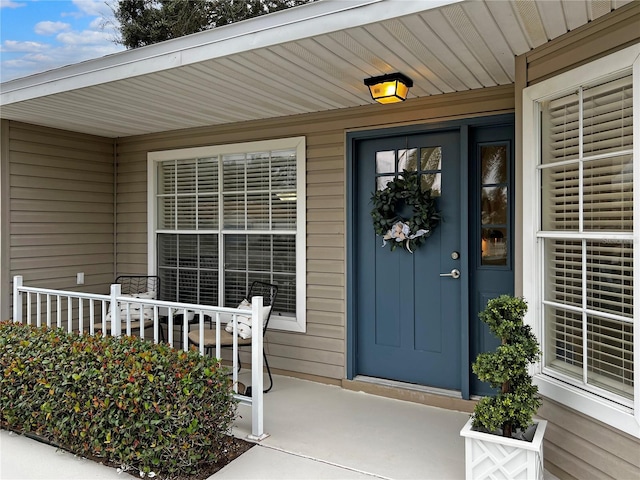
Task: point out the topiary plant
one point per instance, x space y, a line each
506 369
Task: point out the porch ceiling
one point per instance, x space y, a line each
308 59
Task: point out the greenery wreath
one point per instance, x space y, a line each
405 190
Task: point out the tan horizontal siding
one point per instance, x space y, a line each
43 160
131 213
59 140
325 357
37 181
50 194
61 207
321 278
329 227
322 317
587 449
325 189
326 202
56 239
73 229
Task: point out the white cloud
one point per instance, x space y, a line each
87 37
50 28
11 4
92 8
13 46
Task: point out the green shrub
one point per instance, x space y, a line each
124 400
506 369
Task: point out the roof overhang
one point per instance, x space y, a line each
307 59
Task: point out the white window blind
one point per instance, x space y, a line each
242 206
586 175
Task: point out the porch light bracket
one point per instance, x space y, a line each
390 88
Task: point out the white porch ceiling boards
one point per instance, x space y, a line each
308 59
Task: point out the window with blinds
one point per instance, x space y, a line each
586 175
223 221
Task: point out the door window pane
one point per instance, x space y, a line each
494 246
494 204
407 160
431 158
386 161
494 164
433 182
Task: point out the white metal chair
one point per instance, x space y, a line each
135 286
269 293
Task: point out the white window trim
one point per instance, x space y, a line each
618 416
290 324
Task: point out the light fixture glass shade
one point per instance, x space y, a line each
390 88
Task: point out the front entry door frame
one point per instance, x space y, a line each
462 126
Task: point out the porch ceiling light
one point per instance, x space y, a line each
390 88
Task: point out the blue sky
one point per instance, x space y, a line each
39 35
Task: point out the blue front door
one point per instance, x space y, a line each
407 315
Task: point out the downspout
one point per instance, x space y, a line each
115 207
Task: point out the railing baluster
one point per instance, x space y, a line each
185 330
48 311
58 312
235 348
28 308
156 325
38 311
104 318
218 326
170 326
128 319
141 319
80 315
91 317
69 314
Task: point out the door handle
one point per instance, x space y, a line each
455 273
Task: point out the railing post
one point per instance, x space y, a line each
17 298
257 374
115 310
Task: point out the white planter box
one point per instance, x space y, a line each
493 457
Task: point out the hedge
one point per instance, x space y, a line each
124 400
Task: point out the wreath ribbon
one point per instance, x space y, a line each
401 232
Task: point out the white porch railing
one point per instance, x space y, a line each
83 312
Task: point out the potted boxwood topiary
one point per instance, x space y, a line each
501 439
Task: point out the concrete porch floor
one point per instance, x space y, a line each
338 433
316 432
